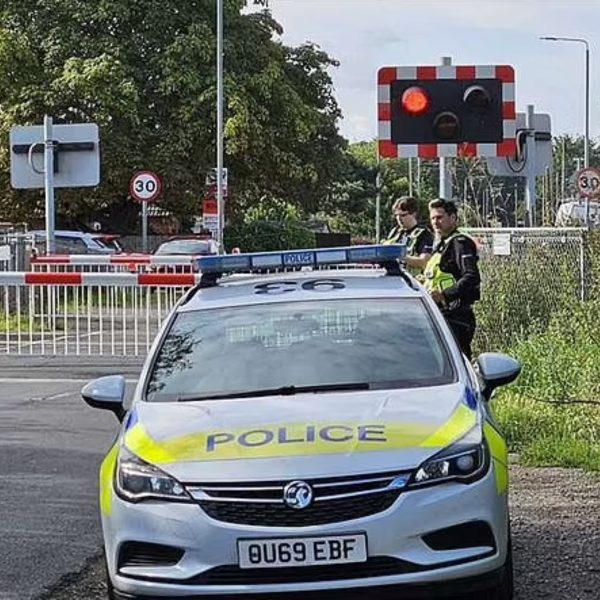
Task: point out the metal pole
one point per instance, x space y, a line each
445 187
49 183
530 197
418 177
410 176
144 227
586 149
220 202
378 205
563 189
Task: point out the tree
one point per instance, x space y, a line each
144 71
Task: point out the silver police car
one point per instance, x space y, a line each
307 431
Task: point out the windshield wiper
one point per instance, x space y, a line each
286 390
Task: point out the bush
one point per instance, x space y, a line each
265 236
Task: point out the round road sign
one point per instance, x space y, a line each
145 186
588 181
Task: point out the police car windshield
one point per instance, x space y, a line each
235 351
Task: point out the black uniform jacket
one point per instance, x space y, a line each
459 257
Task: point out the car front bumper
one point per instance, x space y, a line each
399 558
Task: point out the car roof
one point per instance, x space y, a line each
65 233
239 290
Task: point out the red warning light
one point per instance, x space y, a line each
416 101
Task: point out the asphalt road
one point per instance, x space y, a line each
51 445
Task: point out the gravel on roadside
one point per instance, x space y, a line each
555 515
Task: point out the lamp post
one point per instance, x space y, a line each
586 147
220 203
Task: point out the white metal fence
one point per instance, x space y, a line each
89 313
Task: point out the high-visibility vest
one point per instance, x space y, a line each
434 277
412 238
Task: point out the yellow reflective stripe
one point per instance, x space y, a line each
273 441
460 423
499 452
107 473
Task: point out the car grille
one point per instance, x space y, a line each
336 499
377 566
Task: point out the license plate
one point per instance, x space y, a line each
302 552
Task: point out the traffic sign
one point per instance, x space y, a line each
516 166
446 111
588 182
76 156
145 186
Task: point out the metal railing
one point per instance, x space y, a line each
85 313
528 276
114 263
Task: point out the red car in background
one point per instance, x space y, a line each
192 246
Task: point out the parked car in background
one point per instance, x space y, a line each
73 242
110 241
187 245
572 213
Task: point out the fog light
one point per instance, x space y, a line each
465 463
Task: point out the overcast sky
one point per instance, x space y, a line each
364 35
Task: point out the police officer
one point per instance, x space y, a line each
452 275
418 240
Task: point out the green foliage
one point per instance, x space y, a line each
264 236
145 72
521 293
552 413
272 210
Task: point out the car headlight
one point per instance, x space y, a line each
137 480
463 462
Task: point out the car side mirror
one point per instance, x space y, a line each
107 393
496 369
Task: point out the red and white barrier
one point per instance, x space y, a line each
114 259
101 279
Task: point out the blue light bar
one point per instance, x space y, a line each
261 261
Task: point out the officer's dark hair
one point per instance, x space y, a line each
406 204
448 205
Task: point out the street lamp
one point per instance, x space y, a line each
220 203
586 147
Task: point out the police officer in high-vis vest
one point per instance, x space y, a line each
452 275
418 240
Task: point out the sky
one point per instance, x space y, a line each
364 35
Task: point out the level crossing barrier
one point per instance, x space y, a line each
86 313
118 263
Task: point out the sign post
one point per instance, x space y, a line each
213 206
145 186
48 182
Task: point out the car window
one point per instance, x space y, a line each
186 247
70 242
384 343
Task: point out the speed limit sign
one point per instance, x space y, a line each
145 186
588 181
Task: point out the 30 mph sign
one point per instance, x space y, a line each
145 186
588 181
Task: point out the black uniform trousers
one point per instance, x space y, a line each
462 322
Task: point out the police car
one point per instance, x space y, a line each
307 431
